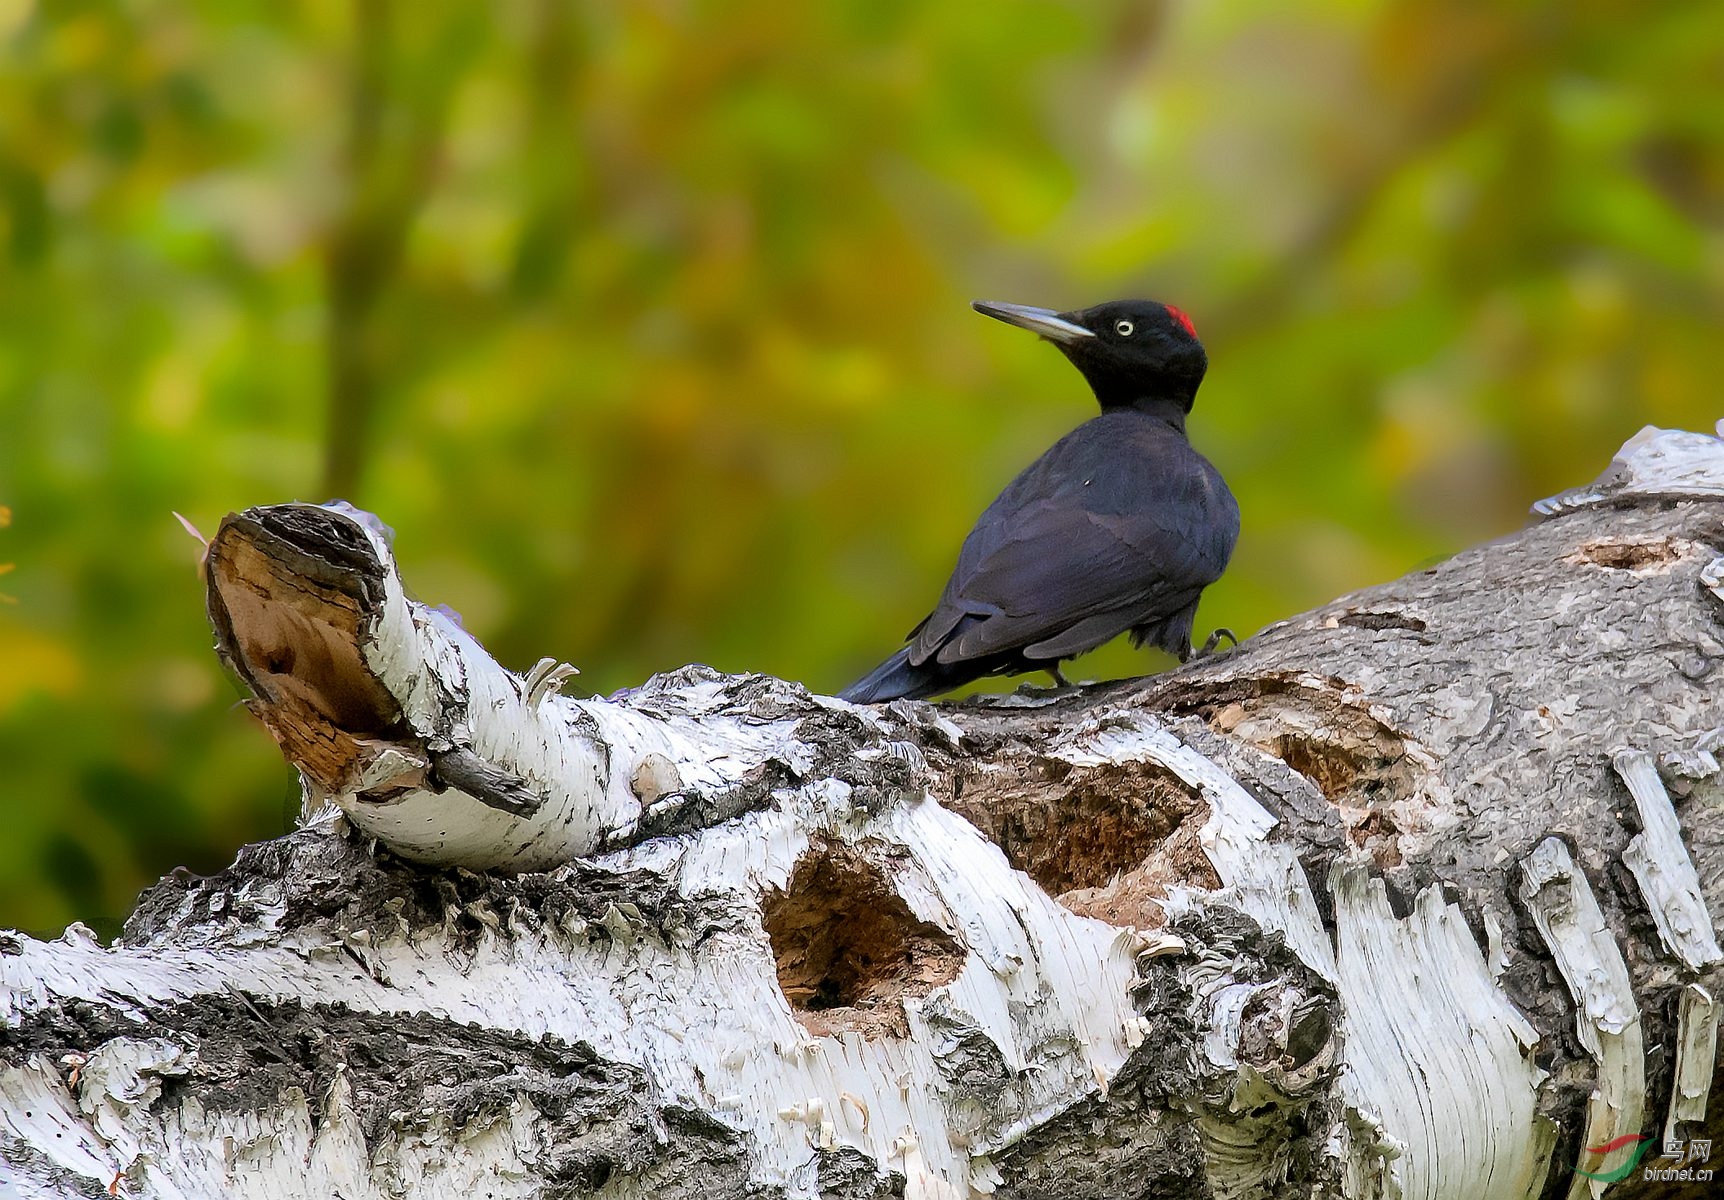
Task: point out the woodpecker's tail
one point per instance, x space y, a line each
899 677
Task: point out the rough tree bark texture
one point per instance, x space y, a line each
1408 896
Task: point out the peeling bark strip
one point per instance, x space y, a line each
1661 866
1411 896
1567 916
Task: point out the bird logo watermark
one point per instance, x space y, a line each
1679 1154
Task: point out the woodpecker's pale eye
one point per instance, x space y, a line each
1124 328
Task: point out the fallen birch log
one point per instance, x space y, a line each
1408 896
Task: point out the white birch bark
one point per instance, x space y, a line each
1413 895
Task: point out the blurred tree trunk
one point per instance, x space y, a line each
1408 896
401 84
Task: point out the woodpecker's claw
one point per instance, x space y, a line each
1214 640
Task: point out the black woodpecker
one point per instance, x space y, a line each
1119 527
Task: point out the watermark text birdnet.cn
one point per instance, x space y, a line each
1677 1164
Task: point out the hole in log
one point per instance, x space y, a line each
1105 841
1310 1029
1357 762
849 949
1333 767
1644 557
277 660
1367 619
1339 747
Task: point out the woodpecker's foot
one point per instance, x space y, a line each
1214 640
1059 680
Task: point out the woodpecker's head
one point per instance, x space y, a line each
1130 351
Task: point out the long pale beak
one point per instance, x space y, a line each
1044 321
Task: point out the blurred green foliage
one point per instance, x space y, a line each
643 322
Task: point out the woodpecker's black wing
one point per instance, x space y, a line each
1119 526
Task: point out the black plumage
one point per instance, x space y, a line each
1120 526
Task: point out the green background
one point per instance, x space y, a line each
644 323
